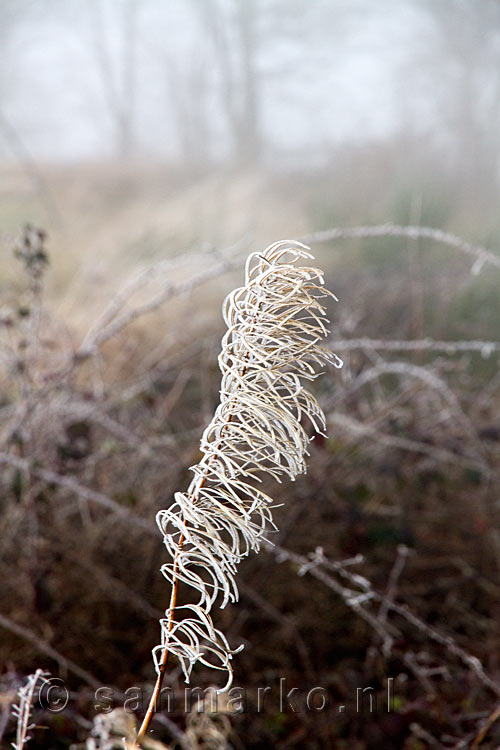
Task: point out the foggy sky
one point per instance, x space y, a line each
326 72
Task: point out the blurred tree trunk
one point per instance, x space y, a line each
247 129
468 44
126 118
234 49
119 81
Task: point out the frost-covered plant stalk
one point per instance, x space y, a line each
22 709
276 323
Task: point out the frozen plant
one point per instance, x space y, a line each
276 323
21 711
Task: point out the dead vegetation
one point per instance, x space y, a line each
388 551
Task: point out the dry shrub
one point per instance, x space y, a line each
96 435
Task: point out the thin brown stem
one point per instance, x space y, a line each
173 599
163 664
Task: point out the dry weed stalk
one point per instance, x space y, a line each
275 325
207 724
43 393
116 731
22 710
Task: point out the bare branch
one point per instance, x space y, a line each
109 325
481 255
45 648
485 348
412 446
358 600
78 489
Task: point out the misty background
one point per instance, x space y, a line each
280 83
150 146
138 129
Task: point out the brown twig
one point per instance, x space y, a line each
175 581
164 659
48 650
492 718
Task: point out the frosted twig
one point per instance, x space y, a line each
96 413
350 596
485 348
492 718
470 661
424 375
406 369
110 324
361 429
481 255
22 710
422 734
382 628
421 673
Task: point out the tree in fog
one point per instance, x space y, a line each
117 66
257 49
232 32
466 94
